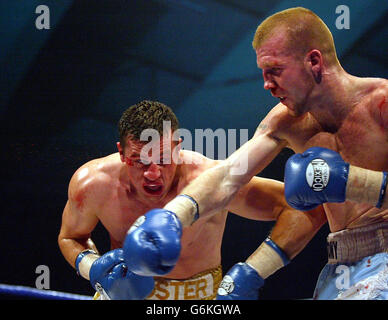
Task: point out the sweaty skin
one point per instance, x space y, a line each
321 106
361 140
100 191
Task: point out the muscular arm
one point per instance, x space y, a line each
294 229
365 186
292 232
216 187
106 273
263 199
260 199
78 221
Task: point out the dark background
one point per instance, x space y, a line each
64 89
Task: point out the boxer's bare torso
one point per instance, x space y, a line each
100 191
362 140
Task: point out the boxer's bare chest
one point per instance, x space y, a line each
118 213
361 141
121 208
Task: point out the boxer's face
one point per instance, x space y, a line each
151 166
285 74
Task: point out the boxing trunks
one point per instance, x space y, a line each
202 286
357 267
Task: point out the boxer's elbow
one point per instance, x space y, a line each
217 190
231 183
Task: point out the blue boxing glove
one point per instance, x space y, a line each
110 276
242 282
152 245
314 177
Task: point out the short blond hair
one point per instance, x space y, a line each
305 31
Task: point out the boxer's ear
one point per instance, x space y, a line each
175 154
314 62
121 151
179 144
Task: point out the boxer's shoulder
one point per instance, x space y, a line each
380 96
283 126
281 123
98 170
277 116
382 85
375 102
375 91
92 178
193 164
195 161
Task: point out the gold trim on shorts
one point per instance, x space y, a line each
202 286
97 296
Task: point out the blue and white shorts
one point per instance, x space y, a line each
357 268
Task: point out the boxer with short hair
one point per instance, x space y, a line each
320 105
145 175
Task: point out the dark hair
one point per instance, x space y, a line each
145 115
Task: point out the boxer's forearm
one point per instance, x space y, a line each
70 248
212 191
364 186
216 187
292 232
294 229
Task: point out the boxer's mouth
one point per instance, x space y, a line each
281 98
153 189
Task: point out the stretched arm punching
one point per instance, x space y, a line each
216 187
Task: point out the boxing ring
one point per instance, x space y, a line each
8 291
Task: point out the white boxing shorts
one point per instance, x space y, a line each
357 267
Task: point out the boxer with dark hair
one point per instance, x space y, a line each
119 188
320 105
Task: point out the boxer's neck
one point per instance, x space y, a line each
334 98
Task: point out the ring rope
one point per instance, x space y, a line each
39 293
